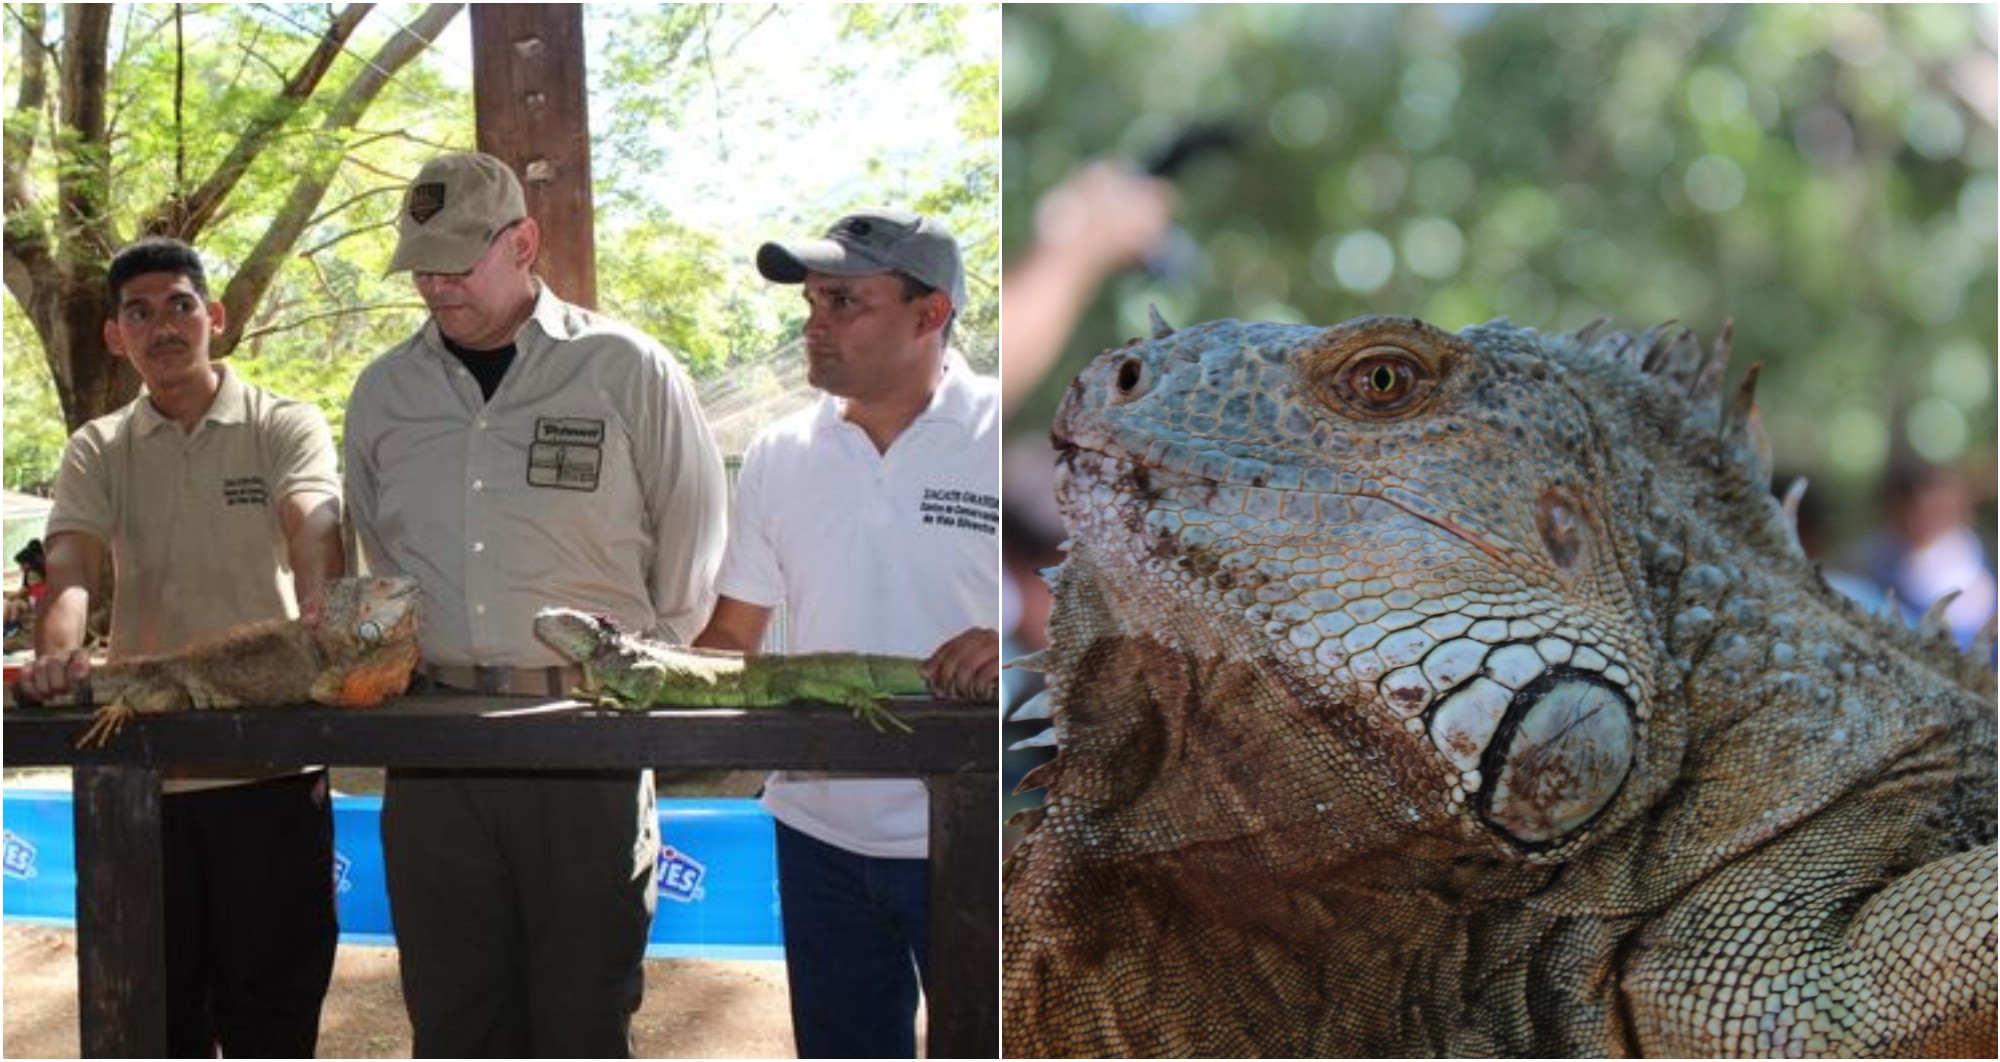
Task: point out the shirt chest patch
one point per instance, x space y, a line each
245 490
567 454
954 508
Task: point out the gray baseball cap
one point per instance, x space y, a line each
452 211
871 242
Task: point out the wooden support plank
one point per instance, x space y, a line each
965 915
463 730
528 91
120 913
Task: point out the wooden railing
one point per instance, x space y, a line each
953 747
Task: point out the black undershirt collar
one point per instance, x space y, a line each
488 367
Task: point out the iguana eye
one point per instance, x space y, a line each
1382 381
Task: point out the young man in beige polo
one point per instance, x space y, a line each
217 503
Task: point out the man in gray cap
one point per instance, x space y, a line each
519 452
873 518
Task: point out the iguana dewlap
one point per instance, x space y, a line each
626 671
1432 694
361 650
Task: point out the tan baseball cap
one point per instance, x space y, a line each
452 212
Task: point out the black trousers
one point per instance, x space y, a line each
251 929
522 902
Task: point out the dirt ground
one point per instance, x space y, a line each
694 1008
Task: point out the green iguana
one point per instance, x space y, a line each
622 670
1433 694
359 651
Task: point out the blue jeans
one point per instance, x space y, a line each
853 924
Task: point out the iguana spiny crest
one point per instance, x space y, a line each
1384 655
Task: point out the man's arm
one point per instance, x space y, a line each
736 625
304 475
686 499
74 560
310 520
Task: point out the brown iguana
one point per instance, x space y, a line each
359 651
1432 694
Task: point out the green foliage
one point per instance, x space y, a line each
1824 175
784 117
35 432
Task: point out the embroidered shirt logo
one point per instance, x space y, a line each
426 200
966 510
245 490
568 453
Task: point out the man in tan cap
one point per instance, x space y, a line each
519 452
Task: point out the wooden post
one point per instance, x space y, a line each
529 105
121 934
965 915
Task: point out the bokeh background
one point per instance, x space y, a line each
1822 175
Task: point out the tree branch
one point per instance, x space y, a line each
187 215
83 185
379 190
180 94
253 278
345 311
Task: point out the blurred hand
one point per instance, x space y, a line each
47 676
1107 216
313 607
966 668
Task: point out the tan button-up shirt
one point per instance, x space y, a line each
191 517
589 480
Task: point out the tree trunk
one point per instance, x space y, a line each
97 381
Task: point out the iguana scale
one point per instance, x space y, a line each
1433 694
359 651
628 672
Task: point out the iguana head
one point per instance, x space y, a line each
1414 536
359 614
576 634
366 631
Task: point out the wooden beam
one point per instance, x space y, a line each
121 935
965 855
529 104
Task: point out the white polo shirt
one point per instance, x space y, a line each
893 552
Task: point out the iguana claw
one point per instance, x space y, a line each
105 724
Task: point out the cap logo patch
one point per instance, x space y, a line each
426 200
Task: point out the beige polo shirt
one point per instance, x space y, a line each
590 480
191 517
